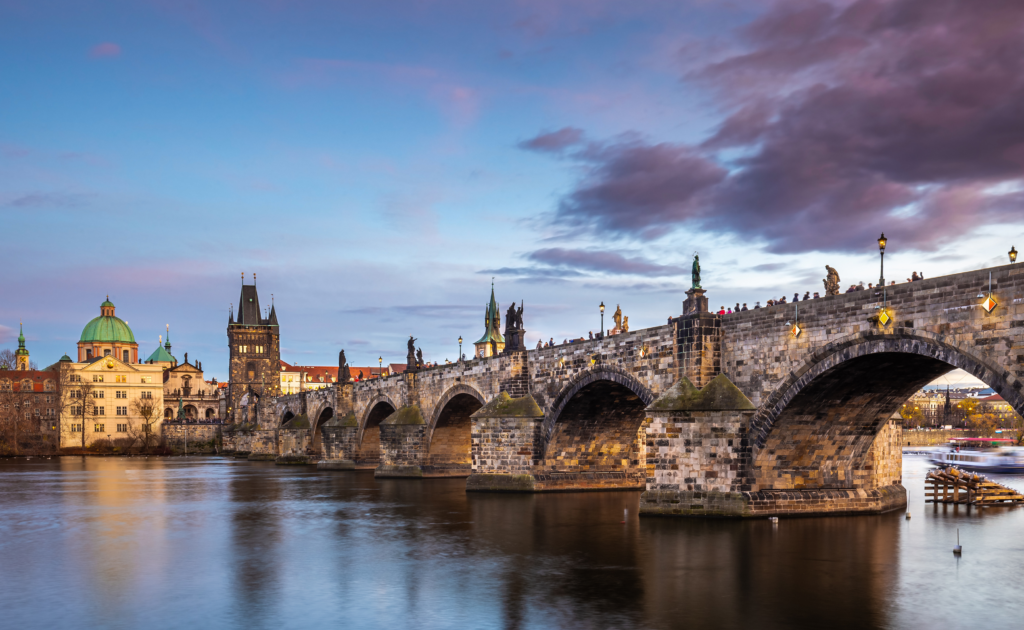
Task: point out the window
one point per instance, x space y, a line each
48 386
121 393
106 352
122 428
49 412
98 428
88 354
99 411
76 428
98 393
76 378
122 378
76 411
125 355
97 378
147 379
147 395
122 411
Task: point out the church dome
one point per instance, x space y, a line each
107 327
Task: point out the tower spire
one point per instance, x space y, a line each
21 354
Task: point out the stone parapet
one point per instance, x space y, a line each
773 503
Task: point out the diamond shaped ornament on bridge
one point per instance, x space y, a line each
796 330
883 318
989 304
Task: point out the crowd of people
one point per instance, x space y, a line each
807 296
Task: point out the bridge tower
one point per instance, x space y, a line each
254 366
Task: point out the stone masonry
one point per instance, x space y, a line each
821 380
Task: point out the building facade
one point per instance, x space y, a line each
111 395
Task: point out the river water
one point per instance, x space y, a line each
214 542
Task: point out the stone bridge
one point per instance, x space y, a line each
778 410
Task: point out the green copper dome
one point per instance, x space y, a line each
107 327
161 355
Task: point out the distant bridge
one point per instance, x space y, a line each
789 410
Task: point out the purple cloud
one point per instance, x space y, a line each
555 141
602 261
106 49
847 119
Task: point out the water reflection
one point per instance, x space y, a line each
168 543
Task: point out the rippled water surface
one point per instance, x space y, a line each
194 543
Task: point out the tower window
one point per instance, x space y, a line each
88 354
106 352
125 354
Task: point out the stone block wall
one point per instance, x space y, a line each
505 446
293 442
884 460
403 450
340 442
260 442
700 451
699 346
201 436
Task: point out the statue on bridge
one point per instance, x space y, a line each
410 359
617 317
832 281
344 375
695 272
419 357
514 333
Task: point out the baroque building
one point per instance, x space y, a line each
254 366
110 390
492 343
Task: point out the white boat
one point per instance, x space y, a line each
981 455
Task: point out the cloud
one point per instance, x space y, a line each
602 261
841 121
555 141
106 49
536 272
48 200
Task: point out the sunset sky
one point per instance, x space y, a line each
377 163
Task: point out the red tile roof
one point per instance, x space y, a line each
993 398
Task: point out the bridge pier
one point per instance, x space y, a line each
403 441
704 463
340 439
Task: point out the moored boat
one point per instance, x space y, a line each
995 455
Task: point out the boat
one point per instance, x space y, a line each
994 455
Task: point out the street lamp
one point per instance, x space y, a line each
460 347
1013 254
380 367
602 319
881 249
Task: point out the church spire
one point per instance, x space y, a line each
21 353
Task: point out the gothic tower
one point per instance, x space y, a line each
492 343
255 353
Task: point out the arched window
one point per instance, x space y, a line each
250 369
126 356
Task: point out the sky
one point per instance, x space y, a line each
377 165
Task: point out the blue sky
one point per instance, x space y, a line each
376 165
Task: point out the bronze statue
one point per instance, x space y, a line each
419 357
695 272
618 317
510 317
625 324
412 345
832 281
519 316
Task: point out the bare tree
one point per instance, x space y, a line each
143 407
15 412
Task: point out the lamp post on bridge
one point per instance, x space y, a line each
602 319
460 348
881 248
380 369
1013 254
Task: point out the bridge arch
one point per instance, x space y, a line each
595 428
368 451
816 428
450 441
286 416
317 419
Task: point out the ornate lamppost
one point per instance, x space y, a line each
1013 254
460 347
602 319
380 367
881 248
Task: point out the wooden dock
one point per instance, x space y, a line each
952 485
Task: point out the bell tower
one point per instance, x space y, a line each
21 353
254 348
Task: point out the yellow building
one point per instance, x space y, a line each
110 392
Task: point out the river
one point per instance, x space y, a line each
215 542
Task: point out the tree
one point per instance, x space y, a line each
912 416
143 431
15 414
984 423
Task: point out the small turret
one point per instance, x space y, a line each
21 353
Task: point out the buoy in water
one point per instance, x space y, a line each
958 548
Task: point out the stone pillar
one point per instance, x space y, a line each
518 383
339 437
506 444
698 340
403 444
